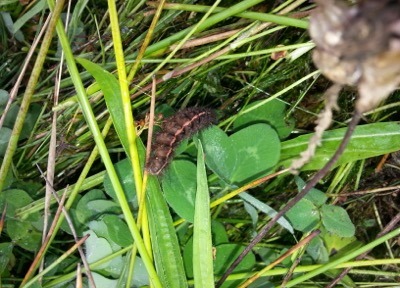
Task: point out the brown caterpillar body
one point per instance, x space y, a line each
182 125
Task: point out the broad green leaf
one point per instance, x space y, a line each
225 255
5 134
101 207
112 94
337 221
180 189
304 216
4 96
101 230
202 244
102 281
96 249
16 199
24 234
165 244
11 116
83 214
218 231
336 244
125 175
29 122
6 249
272 113
118 230
367 141
317 250
314 195
221 157
246 155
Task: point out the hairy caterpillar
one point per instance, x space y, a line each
182 125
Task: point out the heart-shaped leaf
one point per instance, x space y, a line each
337 221
180 189
304 216
271 112
246 155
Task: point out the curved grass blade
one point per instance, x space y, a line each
202 244
367 141
165 244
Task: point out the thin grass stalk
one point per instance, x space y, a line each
289 252
276 95
40 254
77 186
146 41
129 121
90 118
142 222
212 20
343 259
264 17
30 89
51 161
66 277
14 90
183 41
125 96
56 262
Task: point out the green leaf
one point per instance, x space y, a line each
112 94
317 250
101 207
24 234
6 249
338 245
180 189
102 281
118 230
165 244
272 113
97 248
202 244
246 155
29 122
304 216
314 195
337 221
11 116
4 96
15 199
367 141
5 134
225 255
83 215
101 230
218 231
124 171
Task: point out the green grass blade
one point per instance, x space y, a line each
165 244
367 141
202 242
343 259
264 17
214 19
